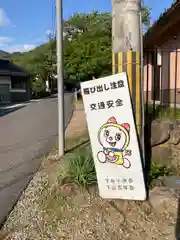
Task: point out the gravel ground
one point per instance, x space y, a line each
52 210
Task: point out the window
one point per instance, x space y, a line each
18 83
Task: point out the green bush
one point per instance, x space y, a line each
81 169
158 170
38 87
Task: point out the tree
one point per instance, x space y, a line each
87 49
38 86
87 44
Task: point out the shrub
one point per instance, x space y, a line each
158 170
81 169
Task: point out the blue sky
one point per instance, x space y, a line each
24 24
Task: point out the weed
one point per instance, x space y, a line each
81 169
162 112
78 101
158 170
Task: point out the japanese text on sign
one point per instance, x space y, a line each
106 105
103 87
119 184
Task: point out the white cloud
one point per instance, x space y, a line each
7 44
4 41
4 20
18 47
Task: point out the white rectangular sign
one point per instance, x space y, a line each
113 138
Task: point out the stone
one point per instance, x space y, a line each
175 136
174 124
160 132
161 154
172 182
158 182
162 199
175 159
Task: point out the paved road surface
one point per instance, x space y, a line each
25 135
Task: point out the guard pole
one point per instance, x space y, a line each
60 76
126 51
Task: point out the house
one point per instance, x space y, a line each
162 58
14 83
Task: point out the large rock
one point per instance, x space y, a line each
175 136
162 199
172 182
160 132
162 154
175 159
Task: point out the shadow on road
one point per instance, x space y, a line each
6 111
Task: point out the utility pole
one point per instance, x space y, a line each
60 76
127 52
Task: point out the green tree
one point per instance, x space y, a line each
87 44
87 48
38 86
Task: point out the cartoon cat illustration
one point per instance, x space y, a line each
114 138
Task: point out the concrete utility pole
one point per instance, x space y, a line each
60 75
126 50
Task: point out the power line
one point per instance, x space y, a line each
53 11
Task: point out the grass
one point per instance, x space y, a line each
81 169
162 112
78 101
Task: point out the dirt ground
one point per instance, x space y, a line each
51 209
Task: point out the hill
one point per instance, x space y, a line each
4 54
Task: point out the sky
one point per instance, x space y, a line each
26 24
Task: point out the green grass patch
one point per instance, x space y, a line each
162 112
81 169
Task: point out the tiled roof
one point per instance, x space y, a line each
8 68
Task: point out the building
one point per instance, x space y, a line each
14 83
162 58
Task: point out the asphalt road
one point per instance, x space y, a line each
26 135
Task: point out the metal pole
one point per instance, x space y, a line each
59 51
